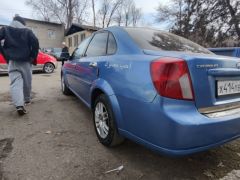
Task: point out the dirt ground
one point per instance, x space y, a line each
56 141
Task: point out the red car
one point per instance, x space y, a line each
45 62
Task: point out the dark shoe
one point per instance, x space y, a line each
27 103
21 110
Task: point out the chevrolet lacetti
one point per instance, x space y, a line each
155 88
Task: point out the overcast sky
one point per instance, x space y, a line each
8 8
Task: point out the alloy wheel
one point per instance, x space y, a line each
48 68
101 120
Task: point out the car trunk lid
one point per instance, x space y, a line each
215 79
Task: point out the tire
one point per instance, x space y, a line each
65 89
48 68
104 122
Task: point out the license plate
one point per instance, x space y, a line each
228 87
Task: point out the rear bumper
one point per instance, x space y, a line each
3 68
176 127
175 152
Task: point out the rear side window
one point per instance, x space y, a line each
98 45
156 40
112 46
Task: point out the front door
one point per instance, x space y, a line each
88 67
70 66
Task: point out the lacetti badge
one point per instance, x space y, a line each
207 65
238 65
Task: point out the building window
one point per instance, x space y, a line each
51 34
82 37
70 42
75 40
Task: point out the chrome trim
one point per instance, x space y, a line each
224 113
221 110
93 64
3 67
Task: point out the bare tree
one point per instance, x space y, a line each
68 7
234 11
94 13
41 7
64 11
80 11
128 13
118 18
207 22
104 10
114 8
136 15
107 10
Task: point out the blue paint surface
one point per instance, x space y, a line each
170 126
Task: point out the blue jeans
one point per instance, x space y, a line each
20 74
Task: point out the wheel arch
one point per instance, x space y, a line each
49 62
102 87
63 75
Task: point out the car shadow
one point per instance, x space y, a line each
213 164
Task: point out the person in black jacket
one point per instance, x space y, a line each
64 54
20 49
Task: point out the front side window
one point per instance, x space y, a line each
78 53
98 45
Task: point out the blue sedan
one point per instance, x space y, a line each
155 88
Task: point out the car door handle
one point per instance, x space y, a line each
93 64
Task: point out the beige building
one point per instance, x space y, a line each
49 34
76 34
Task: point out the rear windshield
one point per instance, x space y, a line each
151 39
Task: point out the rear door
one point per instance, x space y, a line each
88 67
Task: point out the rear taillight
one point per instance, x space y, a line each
171 78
